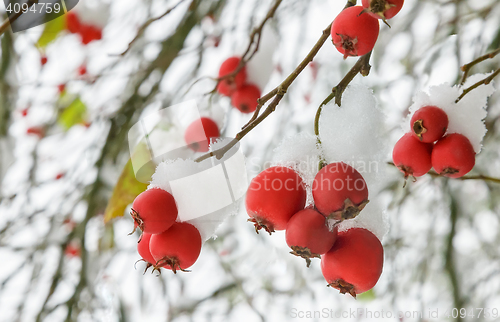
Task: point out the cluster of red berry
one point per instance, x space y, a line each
355 29
164 241
417 152
243 95
87 32
352 260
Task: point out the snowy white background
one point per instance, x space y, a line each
441 236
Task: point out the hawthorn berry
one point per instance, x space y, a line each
36 130
453 156
144 252
273 197
382 9
429 123
43 60
177 248
89 33
154 211
72 22
198 138
245 98
411 156
82 70
72 250
229 85
61 88
354 264
308 234
353 33
339 191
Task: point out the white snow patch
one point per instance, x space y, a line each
465 117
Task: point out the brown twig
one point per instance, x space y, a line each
362 66
146 25
485 81
467 67
255 37
276 93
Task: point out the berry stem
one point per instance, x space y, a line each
467 67
485 81
255 37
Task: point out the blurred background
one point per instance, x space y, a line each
68 99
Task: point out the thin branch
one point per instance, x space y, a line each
143 28
475 177
362 66
254 42
467 67
278 93
485 81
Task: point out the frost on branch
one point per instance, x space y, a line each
465 117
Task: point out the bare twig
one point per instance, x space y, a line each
485 81
467 67
362 66
255 37
141 30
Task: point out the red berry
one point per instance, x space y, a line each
227 86
273 197
177 248
198 138
24 112
453 156
154 211
82 70
411 156
72 22
354 264
72 250
36 130
59 176
354 34
61 88
308 235
429 123
245 98
90 33
144 252
339 191
383 9
43 60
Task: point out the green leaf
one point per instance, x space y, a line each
124 193
51 30
73 114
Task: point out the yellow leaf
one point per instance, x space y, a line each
73 114
126 189
51 31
